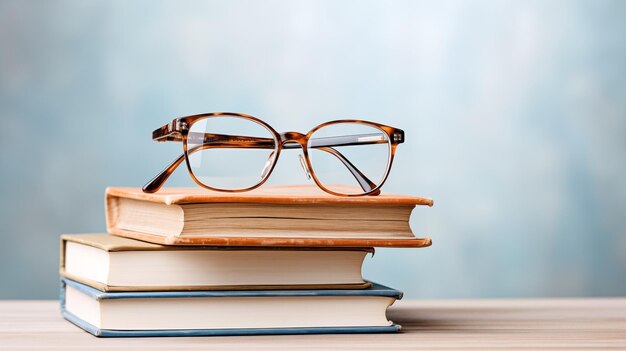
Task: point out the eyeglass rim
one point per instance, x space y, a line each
196 118
395 136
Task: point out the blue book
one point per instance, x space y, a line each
206 313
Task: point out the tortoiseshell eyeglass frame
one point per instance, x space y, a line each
179 130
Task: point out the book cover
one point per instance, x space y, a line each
286 194
95 295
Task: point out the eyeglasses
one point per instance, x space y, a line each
235 152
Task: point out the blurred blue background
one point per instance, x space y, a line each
515 115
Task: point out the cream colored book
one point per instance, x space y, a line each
269 216
113 263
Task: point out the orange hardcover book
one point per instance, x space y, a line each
268 216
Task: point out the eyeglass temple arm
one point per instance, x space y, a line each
157 182
171 132
352 140
365 183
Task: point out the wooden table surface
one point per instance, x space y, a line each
430 324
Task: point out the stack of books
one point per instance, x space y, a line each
277 260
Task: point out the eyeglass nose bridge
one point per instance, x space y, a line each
288 141
293 137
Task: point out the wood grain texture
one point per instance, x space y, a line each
558 324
